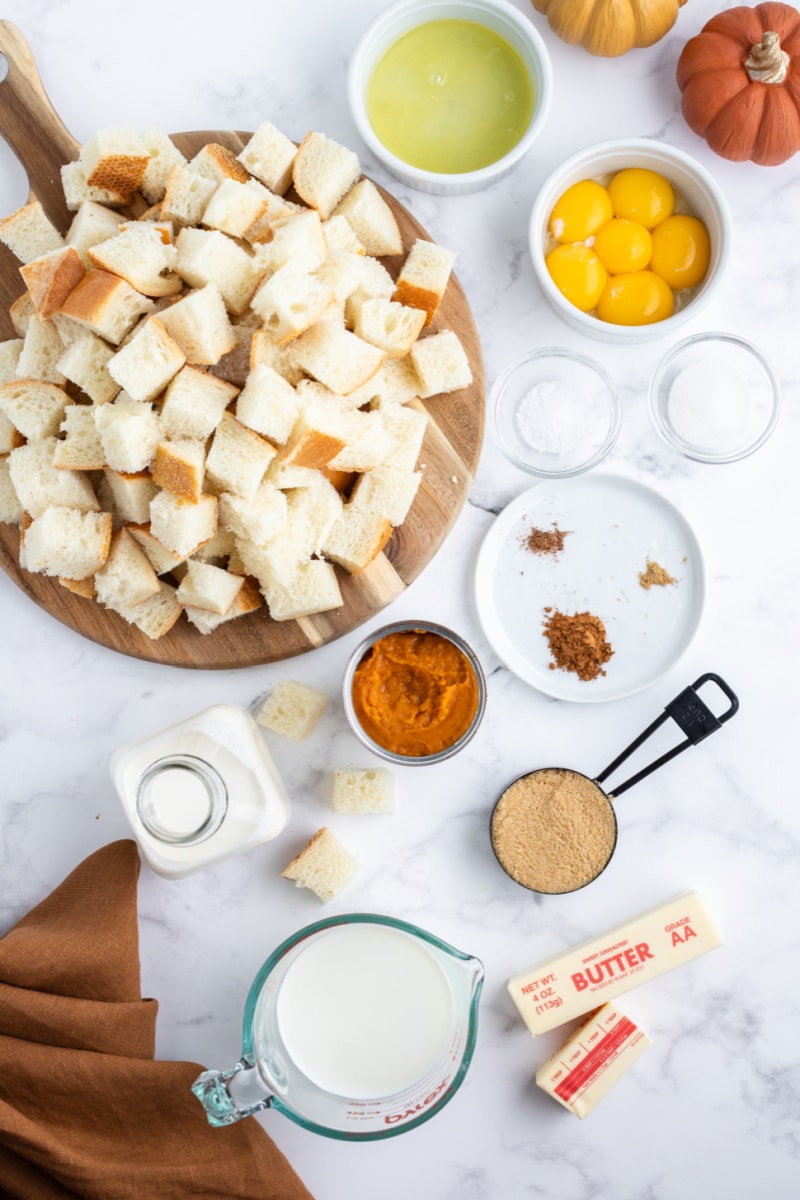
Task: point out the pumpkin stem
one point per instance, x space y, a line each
767 63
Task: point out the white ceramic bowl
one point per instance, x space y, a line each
398 19
714 398
697 187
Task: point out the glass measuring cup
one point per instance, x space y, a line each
554 830
396 1025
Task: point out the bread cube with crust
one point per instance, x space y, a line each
29 232
366 445
140 256
371 219
77 189
82 448
238 458
163 156
336 357
208 256
39 485
290 301
127 576
51 277
269 155
146 364
156 615
424 276
186 195
21 312
199 324
268 404
233 208
106 305
194 403
441 364
323 171
218 163
323 866
115 158
34 408
161 559
357 538
130 433
181 526
208 587
247 600
180 467
66 542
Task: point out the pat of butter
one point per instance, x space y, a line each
604 967
592 1060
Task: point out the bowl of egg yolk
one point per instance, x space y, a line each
629 240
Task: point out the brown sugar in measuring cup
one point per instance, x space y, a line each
554 830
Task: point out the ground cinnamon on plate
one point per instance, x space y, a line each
545 541
577 643
655 576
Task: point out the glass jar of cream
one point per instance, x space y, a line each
200 791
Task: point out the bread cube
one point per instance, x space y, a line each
336 357
340 236
389 491
29 232
208 256
34 408
179 467
127 576
194 403
131 495
11 510
424 276
21 312
130 433
77 189
85 363
268 404
247 600
67 542
313 589
323 866
260 518
42 348
391 326
218 163
200 326
82 448
323 171
208 587
290 301
357 537
233 208
51 277
269 156
114 158
297 238
186 195
140 256
146 364
181 526
363 791
292 709
106 305
405 427
441 364
156 615
92 224
371 219
163 156
39 485
238 458
161 559
367 442
10 351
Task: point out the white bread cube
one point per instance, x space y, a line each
194 403
130 433
161 559
441 364
106 305
367 442
313 589
39 485
405 427
342 273
387 491
323 171
323 866
285 475
42 348
263 349
180 467
358 537
269 156
10 351
268 404
199 324
363 791
293 709
371 219
310 514
180 526
21 312
372 279
156 615
290 301
340 235
336 357
186 195
82 448
114 158
29 232
146 364
131 495
80 587
140 256
260 518
10 437
92 224
424 277
127 576
390 326
85 363
11 510
238 458
77 189
67 542
247 600
218 549
208 256
34 408
317 435
218 163
163 156
233 208
51 277
208 587
297 238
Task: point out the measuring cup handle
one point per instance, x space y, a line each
693 717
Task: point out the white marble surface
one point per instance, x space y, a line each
713 1107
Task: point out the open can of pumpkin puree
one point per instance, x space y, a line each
414 692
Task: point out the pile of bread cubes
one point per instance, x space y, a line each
214 396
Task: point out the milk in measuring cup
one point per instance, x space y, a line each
365 1011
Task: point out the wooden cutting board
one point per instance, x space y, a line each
448 459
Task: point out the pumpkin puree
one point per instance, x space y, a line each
415 693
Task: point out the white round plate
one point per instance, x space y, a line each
614 526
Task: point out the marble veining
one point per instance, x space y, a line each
713 1107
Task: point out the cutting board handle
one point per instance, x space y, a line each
31 126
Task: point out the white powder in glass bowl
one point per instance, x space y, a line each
710 407
557 418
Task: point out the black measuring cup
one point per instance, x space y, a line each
556 825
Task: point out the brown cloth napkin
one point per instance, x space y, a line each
85 1111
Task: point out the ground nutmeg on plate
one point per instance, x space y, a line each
578 643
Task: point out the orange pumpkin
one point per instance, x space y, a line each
610 27
740 79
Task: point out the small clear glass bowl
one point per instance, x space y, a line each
555 413
714 398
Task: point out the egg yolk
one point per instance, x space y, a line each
578 274
636 298
623 245
641 195
681 251
580 211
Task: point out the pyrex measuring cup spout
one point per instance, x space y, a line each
227 1096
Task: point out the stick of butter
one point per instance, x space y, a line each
592 1059
600 969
